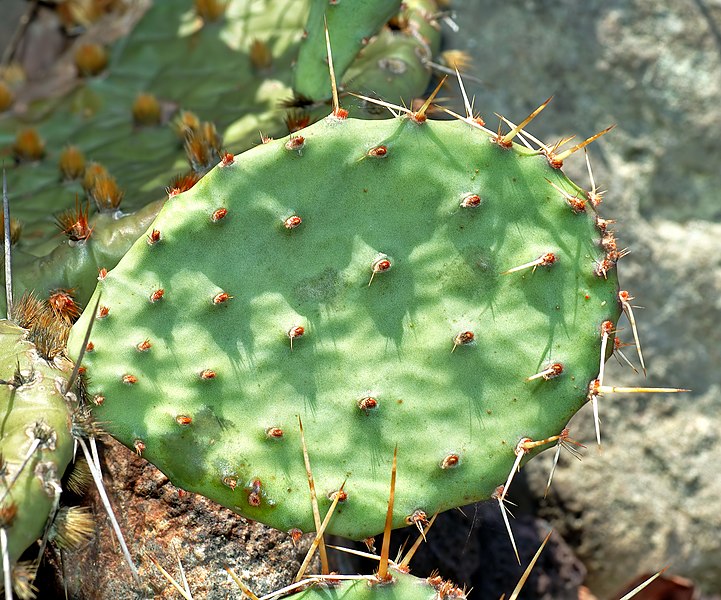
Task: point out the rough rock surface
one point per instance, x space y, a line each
162 521
649 499
472 549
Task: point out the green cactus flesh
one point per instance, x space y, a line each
35 440
193 355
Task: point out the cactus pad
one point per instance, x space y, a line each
359 275
401 586
35 441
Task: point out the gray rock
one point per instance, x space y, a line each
652 67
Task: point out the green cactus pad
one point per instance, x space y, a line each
192 355
401 586
352 24
36 417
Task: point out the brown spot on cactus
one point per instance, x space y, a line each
146 110
103 312
183 420
139 446
380 264
342 496
367 404
185 123
602 267
603 224
74 223
6 97
98 399
545 260
608 242
501 140
28 146
297 119
102 273
450 462
274 432
221 298
93 171
211 10
471 201
64 305
378 152
16 229
203 147
106 193
292 222
463 339
129 379
295 535
254 492
182 183
144 346
71 163
157 295
89 347
607 328
90 59
230 481
550 372
227 159
8 512
417 518
153 237
295 143
294 333
208 374
218 214
260 55
577 205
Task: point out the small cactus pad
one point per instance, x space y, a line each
400 586
389 313
35 441
352 24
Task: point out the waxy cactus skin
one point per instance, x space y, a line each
456 405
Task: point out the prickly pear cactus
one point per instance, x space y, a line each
400 586
36 443
122 118
156 57
362 276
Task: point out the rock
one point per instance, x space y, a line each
171 525
654 69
